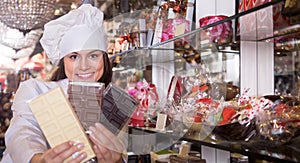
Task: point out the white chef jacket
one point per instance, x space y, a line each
24 137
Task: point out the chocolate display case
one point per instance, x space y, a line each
249 59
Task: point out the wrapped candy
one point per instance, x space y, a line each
179 7
146 94
237 121
221 33
281 122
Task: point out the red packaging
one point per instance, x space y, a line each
137 118
249 4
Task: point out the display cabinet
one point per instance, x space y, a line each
259 51
250 56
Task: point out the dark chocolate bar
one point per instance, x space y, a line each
86 99
117 108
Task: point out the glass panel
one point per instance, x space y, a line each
217 45
275 36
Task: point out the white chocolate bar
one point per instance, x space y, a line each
58 120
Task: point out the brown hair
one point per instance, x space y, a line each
59 73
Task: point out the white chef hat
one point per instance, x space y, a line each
80 29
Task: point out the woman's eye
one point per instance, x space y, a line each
94 55
73 57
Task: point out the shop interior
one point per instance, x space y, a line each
216 81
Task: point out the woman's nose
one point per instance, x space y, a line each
84 64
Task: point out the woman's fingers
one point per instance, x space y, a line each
65 150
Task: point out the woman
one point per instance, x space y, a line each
76 43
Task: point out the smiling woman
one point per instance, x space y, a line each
76 44
90 65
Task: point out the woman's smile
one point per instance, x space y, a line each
85 75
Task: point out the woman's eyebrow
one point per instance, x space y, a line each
100 52
89 52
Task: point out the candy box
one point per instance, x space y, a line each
221 33
173 13
171 25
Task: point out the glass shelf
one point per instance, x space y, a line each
223 56
283 31
255 150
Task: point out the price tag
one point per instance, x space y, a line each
179 29
161 122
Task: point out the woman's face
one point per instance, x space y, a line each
85 65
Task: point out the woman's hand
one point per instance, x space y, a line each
107 146
60 153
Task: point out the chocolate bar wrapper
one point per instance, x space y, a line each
86 99
117 108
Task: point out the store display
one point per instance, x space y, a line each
58 120
181 11
86 99
117 108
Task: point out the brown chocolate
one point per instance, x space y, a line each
117 108
86 100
